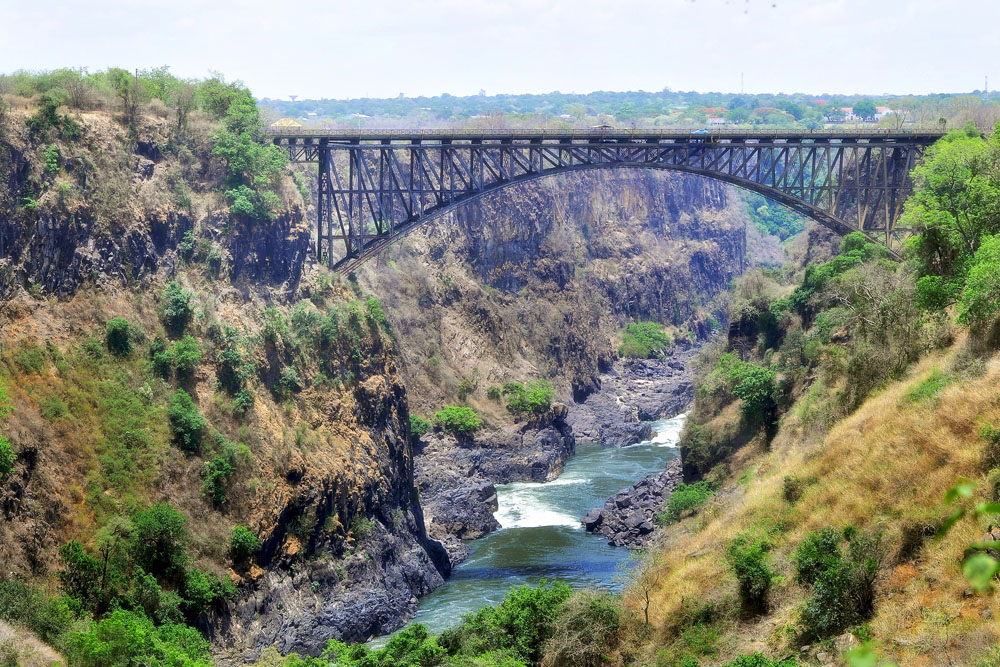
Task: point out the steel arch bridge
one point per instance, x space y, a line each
377 186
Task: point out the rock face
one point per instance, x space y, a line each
629 517
634 391
456 478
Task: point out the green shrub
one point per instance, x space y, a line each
125 638
520 625
186 356
934 293
234 365
162 357
457 420
494 393
362 528
82 575
288 380
644 340
117 337
51 156
843 590
817 553
418 427
48 617
991 448
243 544
214 477
158 540
757 389
685 497
7 458
747 556
274 325
177 308
412 646
203 590
243 401
465 387
585 630
533 398
186 423
980 300
791 489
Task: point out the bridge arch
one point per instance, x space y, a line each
374 190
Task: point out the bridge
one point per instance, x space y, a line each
377 186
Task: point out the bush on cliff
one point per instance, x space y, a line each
535 398
186 423
457 420
117 337
177 309
644 340
7 458
684 498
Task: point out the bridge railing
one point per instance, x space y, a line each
594 133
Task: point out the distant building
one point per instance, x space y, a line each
717 120
286 123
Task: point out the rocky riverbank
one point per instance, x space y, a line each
633 392
456 477
629 517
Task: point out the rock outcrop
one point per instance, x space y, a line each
456 477
629 517
633 392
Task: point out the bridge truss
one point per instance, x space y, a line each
376 187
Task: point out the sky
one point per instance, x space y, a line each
382 48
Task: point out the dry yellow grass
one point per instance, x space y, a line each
888 462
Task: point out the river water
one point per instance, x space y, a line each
541 536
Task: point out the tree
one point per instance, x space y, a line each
457 420
159 540
131 93
117 337
981 297
243 544
864 109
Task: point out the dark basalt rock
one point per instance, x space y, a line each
632 392
456 478
628 518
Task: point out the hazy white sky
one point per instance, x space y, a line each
379 48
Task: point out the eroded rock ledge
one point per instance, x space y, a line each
629 517
634 392
456 477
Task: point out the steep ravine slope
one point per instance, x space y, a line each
314 457
538 280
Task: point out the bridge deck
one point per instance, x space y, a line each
309 135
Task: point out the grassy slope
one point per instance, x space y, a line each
883 467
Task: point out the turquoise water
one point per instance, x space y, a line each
541 535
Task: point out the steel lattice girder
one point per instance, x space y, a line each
374 191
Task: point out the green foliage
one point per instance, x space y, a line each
186 423
843 589
7 459
186 356
928 388
418 427
252 166
465 387
161 355
747 555
773 218
412 646
644 340
494 393
684 498
177 309
758 391
819 551
457 420
117 337
234 364
159 540
51 156
533 398
519 625
275 327
82 575
791 488
935 293
214 477
126 639
991 449
362 528
980 300
203 590
585 631
48 617
243 544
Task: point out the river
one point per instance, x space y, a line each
541 536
